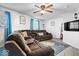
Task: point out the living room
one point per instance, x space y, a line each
27 17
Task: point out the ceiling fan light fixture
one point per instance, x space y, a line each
42 11
44 8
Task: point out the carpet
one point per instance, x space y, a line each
3 52
59 47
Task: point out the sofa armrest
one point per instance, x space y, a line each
14 49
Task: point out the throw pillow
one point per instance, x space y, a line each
40 34
24 34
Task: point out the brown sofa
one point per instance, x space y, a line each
40 35
19 44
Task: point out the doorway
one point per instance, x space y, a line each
7 24
61 31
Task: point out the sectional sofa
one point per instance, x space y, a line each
40 35
23 43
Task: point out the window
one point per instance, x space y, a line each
72 26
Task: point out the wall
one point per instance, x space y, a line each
15 16
54 26
15 20
59 21
2 27
71 37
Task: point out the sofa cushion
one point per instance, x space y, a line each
28 41
44 51
33 46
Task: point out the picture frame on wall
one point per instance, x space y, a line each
22 20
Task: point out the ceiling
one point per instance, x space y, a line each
28 9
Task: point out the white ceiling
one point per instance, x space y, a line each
28 9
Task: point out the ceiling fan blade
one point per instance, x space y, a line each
49 6
42 14
36 11
37 6
49 11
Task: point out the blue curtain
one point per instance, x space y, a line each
8 24
31 23
38 24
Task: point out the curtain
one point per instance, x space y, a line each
31 23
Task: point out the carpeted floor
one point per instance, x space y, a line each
3 52
57 46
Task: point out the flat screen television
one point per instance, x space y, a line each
71 26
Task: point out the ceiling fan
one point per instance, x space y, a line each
44 8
